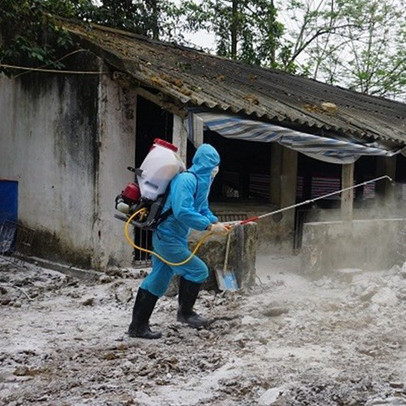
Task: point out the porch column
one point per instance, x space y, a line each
179 136
386 166
197 130
347 197
283 179
275 174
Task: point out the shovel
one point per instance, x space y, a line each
225 277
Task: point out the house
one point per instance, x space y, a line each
67 138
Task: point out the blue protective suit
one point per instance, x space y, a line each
188 199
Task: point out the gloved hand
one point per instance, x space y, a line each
219 228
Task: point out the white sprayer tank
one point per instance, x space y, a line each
158 168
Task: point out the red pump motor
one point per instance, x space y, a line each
129 197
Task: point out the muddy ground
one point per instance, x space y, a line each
289 340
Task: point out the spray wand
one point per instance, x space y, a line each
233 223
256 218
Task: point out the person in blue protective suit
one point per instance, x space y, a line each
189 208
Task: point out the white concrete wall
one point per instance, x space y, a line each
55 191
67 141
370 244
117 112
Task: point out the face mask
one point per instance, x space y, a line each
214 172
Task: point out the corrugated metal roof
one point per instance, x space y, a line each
195 78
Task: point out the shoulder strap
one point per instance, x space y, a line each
168 212
197 182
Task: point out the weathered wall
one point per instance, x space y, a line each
47 145
67 139
117 143
365 244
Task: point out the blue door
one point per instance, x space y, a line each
8 215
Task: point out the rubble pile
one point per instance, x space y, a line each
288 340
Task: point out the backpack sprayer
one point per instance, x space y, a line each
141 202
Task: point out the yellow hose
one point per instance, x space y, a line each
131 242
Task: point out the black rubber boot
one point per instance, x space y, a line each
143 307
188 292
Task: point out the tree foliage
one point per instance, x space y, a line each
28 32
130 16
247 30
358 44
155 19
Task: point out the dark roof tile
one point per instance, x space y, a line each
195 78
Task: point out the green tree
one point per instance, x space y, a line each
246 30
28 32
358 44
129 15
157 19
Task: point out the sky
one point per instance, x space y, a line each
201 39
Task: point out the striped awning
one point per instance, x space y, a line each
334 150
